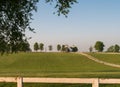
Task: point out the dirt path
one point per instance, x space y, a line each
99 61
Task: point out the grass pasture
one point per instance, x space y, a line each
108 57
55 65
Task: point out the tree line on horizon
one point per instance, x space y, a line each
60 48
99 47
24 46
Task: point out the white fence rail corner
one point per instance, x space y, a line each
94 81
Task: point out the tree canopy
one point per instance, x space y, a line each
50 47
111 49
99 46
41 47
91 49
58 47
36 46
117 48
114 48
62 6
15 16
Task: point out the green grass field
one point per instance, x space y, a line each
55 65
107 57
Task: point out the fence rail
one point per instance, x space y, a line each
94 81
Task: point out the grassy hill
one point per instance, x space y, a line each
54 65
108 57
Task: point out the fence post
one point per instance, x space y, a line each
95 83
19 81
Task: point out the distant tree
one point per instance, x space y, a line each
41 46
114 48
91 49
111 49
58 47
117 48
99 46
36 46
67 48
24 46
50 47
74 49
63 48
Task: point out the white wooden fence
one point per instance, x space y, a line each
94 81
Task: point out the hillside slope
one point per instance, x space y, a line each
53 65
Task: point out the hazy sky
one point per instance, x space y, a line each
88 21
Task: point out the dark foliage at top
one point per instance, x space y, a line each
15 16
